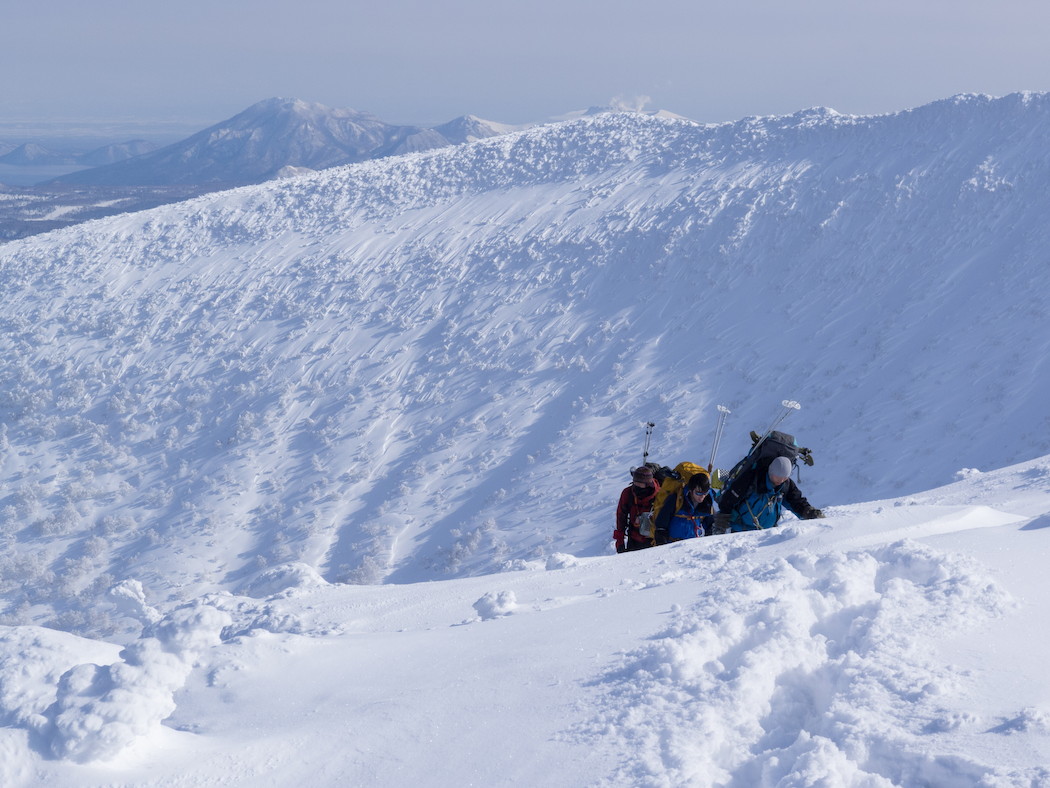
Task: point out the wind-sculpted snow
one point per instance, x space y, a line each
32 662
438 365
90 711
100 710
802 667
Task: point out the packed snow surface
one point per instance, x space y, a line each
313 482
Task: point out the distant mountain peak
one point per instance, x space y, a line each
109 154
32 154
297 107
276 136
468 128
614 107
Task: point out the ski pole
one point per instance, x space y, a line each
648 437
723 412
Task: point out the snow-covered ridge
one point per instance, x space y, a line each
437 364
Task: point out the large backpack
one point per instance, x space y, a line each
674 482
763 451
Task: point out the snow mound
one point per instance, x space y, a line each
282 578
100 709
32 659
130 598
561 561
495 604
802 666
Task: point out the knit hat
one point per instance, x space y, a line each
643 473
780 467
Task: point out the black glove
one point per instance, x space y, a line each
721 523
815 514
621 547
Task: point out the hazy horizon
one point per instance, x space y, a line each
414 63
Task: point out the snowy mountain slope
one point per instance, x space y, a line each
833 653
439 364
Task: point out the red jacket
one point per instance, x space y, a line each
630 506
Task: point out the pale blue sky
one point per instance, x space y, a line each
410 61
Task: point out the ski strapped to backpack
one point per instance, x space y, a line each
723 413
644 521
648 437
771 444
